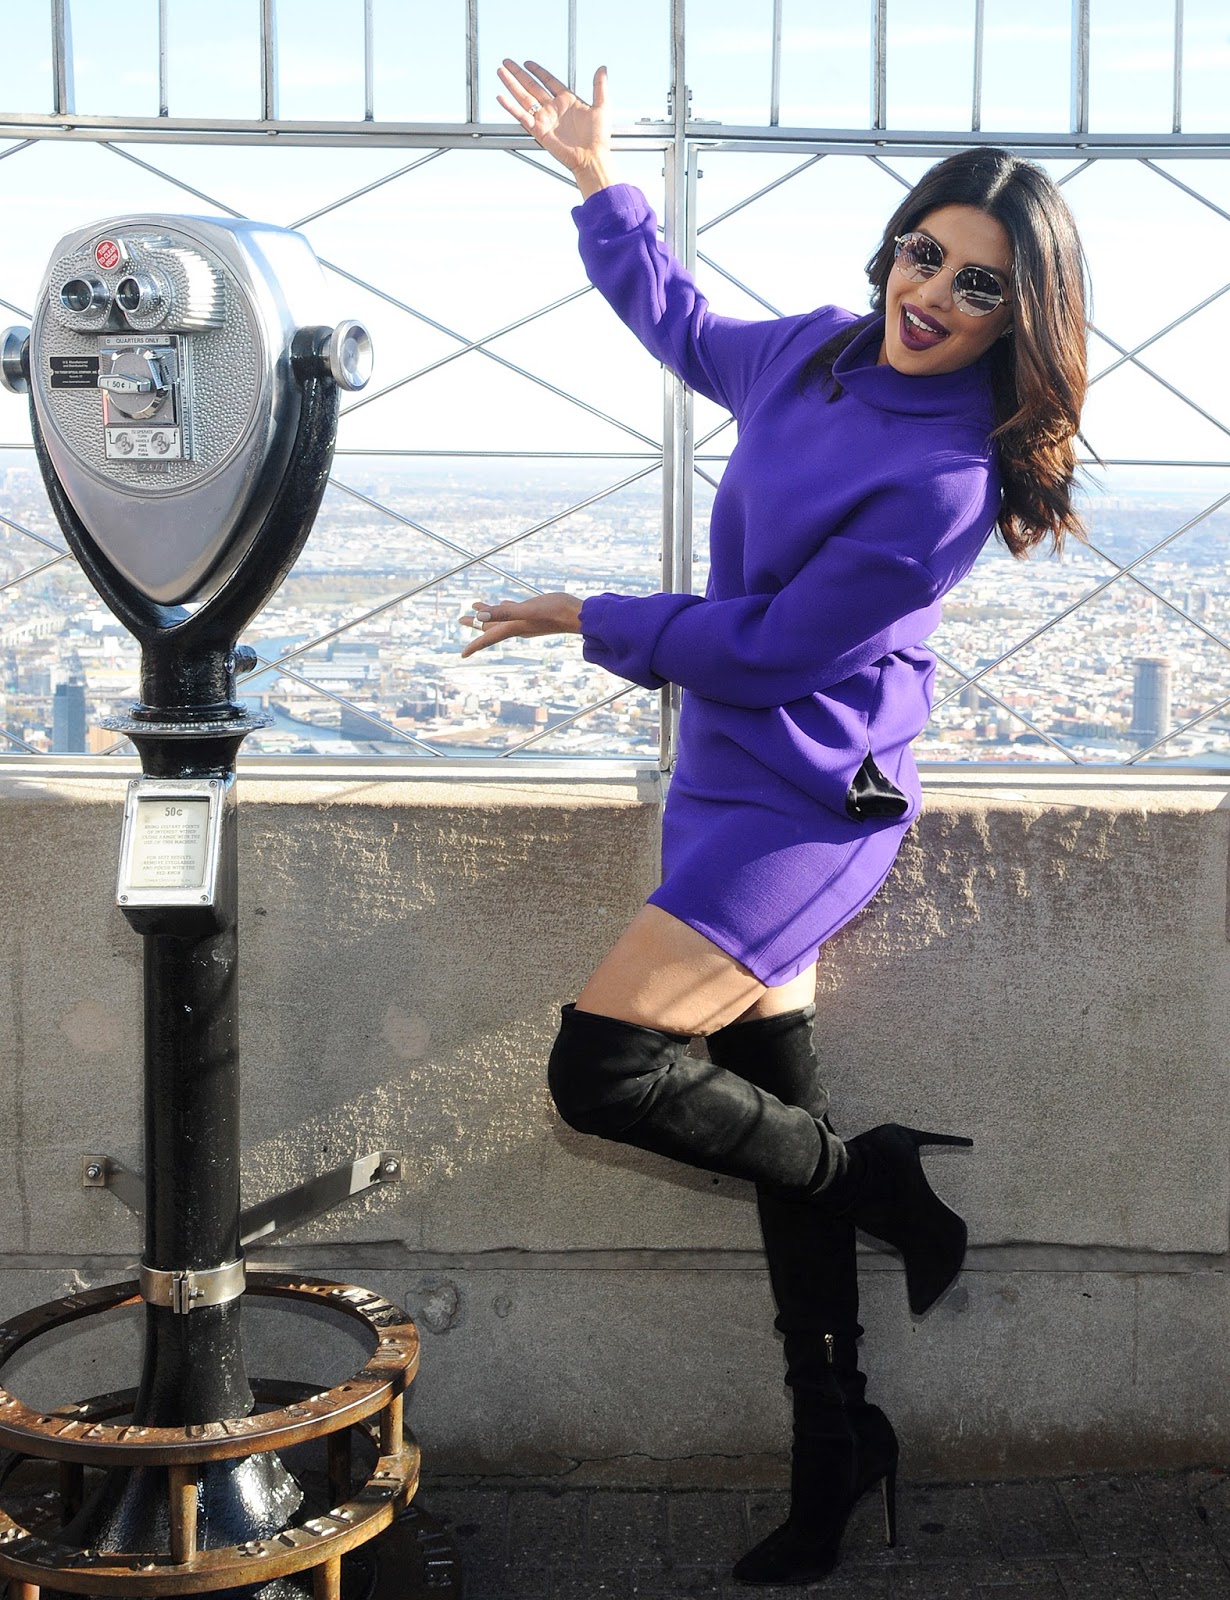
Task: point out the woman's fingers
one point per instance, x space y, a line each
547 78
524 85
493 633
600 88
525 118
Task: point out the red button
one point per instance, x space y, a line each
107 254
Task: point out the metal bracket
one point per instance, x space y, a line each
283 1212
189 1290
105 1172
271 1218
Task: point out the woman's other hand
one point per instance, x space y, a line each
566 128
522 619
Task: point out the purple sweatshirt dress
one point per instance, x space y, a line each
835 532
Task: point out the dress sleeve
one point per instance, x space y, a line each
858 598
719 357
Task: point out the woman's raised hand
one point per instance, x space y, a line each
522 619
564 125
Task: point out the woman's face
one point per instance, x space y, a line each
925 332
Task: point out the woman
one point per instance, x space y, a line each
875 456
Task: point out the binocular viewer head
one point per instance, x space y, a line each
167 365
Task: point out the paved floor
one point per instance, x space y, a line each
1148 1536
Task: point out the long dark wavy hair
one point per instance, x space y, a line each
1038 371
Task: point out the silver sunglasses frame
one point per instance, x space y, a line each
958 293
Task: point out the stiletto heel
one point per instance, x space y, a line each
888 1493
886 1193
921 1138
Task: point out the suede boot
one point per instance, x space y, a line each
841 1445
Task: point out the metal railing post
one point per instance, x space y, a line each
680 235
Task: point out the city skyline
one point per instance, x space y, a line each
1077 681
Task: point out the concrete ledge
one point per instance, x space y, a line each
1046 970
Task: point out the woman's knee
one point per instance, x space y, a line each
605 1074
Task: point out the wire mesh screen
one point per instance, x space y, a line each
514 439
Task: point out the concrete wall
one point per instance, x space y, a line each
1047 970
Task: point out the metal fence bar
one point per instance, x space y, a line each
491 455
679 209
739 284
1176 125
975 121
357 194
1080 66
1186 187
269 60
1175 732
879 64
33 572
465 349
394 734
63 87
164 46
572 45
775 76
1013 711
566 722
766 188
472 61
29 533
430 533
369 61
20 743
1099 588
451 572
1157 377
392 300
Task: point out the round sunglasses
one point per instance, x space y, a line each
975 291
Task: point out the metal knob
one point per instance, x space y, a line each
349 354
15 360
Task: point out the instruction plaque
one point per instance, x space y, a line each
169 850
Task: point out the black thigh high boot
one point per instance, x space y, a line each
841 1445
634 1084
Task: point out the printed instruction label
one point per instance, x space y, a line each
145 444
170 840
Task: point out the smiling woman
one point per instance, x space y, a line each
836 530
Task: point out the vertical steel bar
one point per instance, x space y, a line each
775 85
879 65
572 45
472 60
369 61
269 61
980 18
64 90
675 398
1177 120
1080 66
164 45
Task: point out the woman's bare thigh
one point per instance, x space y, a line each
663 974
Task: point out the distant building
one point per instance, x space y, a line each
68 719
1150 700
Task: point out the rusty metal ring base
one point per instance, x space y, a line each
79 1435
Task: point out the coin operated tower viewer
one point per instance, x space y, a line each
184 401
